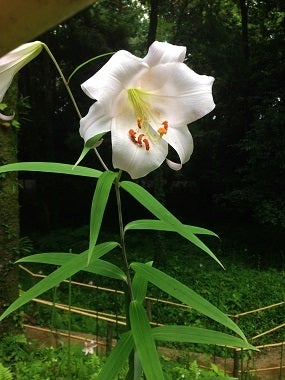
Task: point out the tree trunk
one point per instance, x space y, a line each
245 46
9 220
244 27
153 20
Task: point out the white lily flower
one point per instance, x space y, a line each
13 61
147 103
89 347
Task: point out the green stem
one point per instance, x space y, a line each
65 82
128 287
122 236
63 79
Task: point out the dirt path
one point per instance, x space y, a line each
264 365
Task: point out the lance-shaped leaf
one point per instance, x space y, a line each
51 167
118 357
159 225
92 143
186 295
65 271
139 286
157 209
96 266
99 202
198 335
86 63
144 342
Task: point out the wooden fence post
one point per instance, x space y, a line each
148 308
236 357
109 338
281 361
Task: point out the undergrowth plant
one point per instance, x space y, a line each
5 373
146 103
45 363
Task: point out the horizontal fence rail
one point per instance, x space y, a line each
241 367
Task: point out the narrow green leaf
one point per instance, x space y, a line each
104 268
118 357
144 342
65 271
139 286
86 62
149 202
198 335
96 266
90 144
154 206
159 225
184 230
51 167
85 150
186 295
138 371
196 241
99 202
54 258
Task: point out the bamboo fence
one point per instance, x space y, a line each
240 367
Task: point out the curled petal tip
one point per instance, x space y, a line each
6 117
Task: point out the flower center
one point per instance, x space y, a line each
146 117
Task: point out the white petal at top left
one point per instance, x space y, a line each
13 61
122 71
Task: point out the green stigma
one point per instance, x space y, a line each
149 127
142 108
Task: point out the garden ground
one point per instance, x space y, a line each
266 363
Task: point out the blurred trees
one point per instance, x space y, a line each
9 216
237 171
236 177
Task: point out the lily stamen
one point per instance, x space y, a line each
139 122
132 135
162 131
140 139
146 143
165 124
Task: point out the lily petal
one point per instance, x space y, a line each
13 61
181 140
6 117
163 52
121 71
184 96
97 121
135 160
